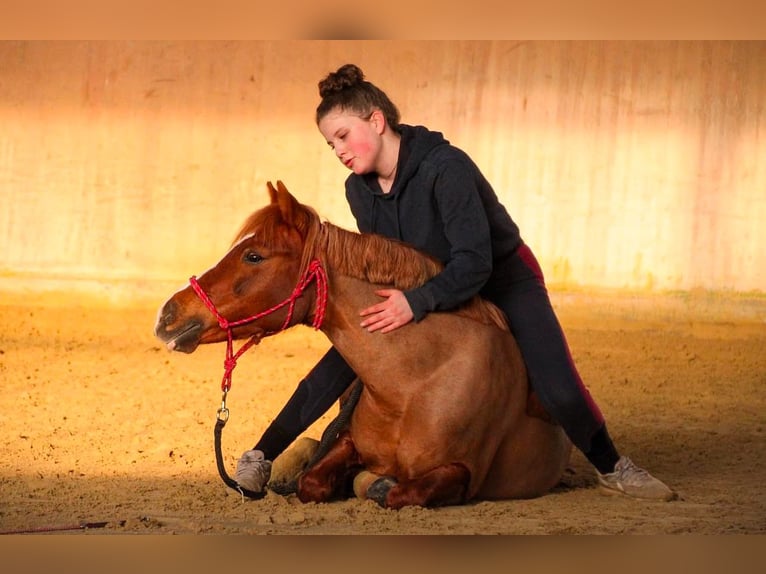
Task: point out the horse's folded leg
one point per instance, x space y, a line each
442 486
288 466
328 478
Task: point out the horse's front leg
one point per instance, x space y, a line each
331 476
441 486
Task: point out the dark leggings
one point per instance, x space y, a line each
550 368
314 396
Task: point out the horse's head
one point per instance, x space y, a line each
259 272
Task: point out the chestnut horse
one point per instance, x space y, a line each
443 416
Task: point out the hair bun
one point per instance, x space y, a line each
345 77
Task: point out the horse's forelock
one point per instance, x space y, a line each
257 224
269 228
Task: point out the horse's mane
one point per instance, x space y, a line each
369 257
377 259
385 261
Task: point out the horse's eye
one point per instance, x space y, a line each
253 257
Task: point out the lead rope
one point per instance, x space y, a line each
314 272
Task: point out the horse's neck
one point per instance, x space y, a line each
347 296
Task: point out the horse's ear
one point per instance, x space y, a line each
272 192
288 205
281 187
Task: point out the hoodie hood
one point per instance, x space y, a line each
417 142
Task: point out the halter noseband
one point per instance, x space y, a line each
314 272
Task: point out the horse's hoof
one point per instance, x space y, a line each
283 487
362 482
378 490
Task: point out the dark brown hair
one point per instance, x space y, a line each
347 89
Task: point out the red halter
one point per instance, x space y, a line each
315 271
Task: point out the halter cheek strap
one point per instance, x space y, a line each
314 272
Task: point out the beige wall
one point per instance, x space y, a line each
629 166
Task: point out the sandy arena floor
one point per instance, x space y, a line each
102 425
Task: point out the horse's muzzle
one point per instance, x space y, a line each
184 336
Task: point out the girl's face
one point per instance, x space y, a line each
356 141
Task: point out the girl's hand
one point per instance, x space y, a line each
387 315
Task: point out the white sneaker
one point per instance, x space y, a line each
253 470
634 481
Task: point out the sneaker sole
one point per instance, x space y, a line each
606 491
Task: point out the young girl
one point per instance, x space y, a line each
409 183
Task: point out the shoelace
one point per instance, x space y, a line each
629 470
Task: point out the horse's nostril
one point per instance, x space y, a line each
168 313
